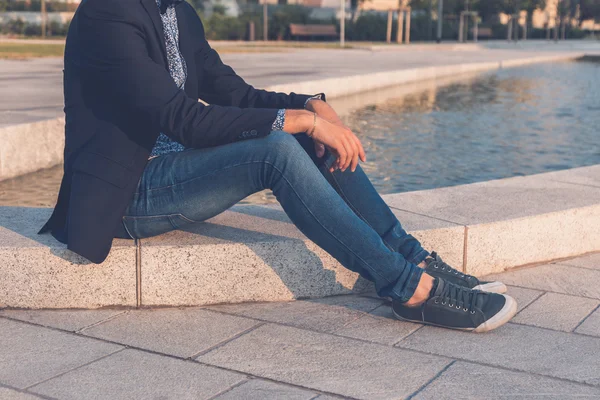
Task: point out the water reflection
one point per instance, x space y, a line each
511 122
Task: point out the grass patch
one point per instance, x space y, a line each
21 51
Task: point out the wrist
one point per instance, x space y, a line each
314 104
298 121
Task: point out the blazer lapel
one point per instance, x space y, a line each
154 13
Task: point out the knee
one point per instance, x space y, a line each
283 145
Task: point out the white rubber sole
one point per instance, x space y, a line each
492 287
502 317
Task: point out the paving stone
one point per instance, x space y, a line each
324 315
591 326
66 320
31 354
555 278
329 363
10 394
133 374
519 347
258 389
524 297
557 311
378 326
178 332
591 261
471 381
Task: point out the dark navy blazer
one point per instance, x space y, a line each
119 96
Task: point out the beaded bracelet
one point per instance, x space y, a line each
312 131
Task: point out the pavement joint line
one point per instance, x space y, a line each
396 344
225 341
238 372
16 389
75 368
323 333
521 371
101 321
554 330
531 302
430 381
575 183
425 215
585 319
229 389
362 315
550 291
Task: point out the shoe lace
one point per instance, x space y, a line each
458 296
438 263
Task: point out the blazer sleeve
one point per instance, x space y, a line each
115 56
219 83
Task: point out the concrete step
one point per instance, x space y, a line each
254 253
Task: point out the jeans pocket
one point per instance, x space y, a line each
154 225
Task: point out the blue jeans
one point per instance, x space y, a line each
340 211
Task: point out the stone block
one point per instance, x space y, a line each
257 389
495 247
557 311
324 315
555 278
497 200
239 257
379 326
10 394
132 374
179 332
524 297
31 146
591 261
68 320
591 325
471 381
518 347
31 354
329 363
39 272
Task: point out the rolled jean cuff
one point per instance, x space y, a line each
420 257
413 281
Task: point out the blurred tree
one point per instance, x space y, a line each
589 9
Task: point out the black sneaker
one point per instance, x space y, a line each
437 268
456 307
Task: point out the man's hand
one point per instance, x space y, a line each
326 112
339 139
342 142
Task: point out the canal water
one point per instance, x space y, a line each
511 122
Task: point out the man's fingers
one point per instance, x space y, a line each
361 150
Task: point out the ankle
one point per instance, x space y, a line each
423 291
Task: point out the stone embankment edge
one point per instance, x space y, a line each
218 264
30 147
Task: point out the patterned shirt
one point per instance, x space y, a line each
178 71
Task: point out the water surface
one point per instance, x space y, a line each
519 121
